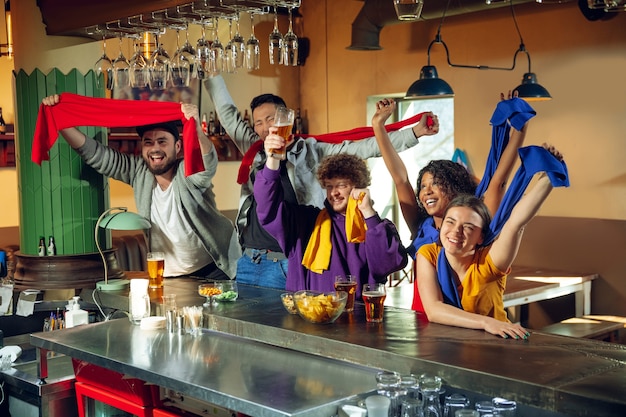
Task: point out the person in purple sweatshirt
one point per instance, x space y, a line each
319 243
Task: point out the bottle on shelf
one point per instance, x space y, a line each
298 127
52 248
212 129
42 246
3 125
205 127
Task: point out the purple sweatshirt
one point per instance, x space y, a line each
291 225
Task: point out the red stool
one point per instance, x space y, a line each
85 390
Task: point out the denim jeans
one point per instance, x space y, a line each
259 270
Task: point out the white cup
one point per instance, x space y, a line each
377 406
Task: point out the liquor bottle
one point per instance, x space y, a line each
52 249
205 128
3 125
297 124
42 246
212 129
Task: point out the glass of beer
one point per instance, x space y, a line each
156 264
347 283
374 298
283 120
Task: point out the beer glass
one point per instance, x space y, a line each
374 298
156 264
347 284
283 120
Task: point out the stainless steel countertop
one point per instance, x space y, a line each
555 373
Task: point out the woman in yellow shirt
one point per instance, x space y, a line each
479 271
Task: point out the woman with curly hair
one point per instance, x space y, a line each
442 180
346 237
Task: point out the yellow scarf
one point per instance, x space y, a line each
317 254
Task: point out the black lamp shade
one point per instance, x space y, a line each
429 84
531 90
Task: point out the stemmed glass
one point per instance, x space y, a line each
159 67
238 44
230 51
189 52
276 42
139 72
216 64
203 55
209 290
121 70
104 67
253 49
290 44
180 66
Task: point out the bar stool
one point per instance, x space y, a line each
84 390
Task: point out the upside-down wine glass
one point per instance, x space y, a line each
290 44
216 63
180 66
189 52
253 49
139 71
104 68
159 67
276 42
203 55
230 51
238 44
121 70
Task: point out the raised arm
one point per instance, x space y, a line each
393 162
74 137
191 110
497 186
504 249
442 313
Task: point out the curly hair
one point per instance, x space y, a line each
345 166
452 178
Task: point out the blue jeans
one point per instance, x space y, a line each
261 271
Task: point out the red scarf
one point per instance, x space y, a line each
337 137
76 110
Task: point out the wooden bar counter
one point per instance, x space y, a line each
560 375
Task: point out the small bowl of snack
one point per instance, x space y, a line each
319 307
229 291
288 302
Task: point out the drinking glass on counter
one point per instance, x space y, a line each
347 283
374 298
156 265
283 120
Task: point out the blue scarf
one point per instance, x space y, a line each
514 111
534 159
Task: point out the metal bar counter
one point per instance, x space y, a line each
575 377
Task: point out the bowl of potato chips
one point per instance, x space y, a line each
319 307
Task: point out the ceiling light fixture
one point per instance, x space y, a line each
429 85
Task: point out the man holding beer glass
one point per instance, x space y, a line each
263 262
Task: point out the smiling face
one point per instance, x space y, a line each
337 193
432 196
263 117
461 231
159 149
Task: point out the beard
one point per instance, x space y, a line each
165 166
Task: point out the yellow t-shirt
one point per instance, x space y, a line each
482 287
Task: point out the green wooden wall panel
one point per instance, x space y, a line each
62 197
